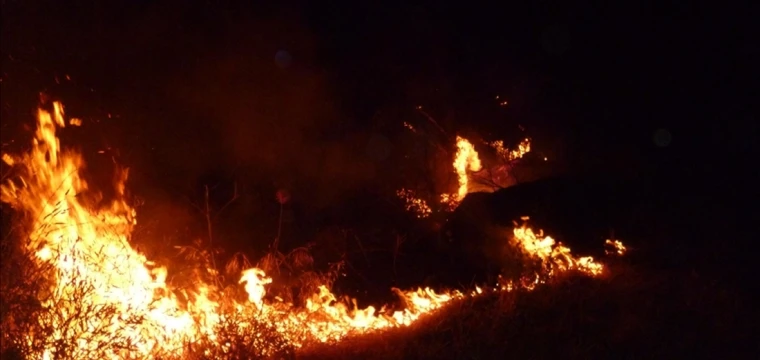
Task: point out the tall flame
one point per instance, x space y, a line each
465 160
90 250
110 302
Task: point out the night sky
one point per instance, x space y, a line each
289 96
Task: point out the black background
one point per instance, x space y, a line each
189 94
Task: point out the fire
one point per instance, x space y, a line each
254 280
107 294
554 255
106 300
95 268
8 160
466 159
510 155
615 247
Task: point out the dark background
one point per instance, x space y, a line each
193 94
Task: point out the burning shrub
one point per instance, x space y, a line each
296 278
237 337
22 280
39 315
198 263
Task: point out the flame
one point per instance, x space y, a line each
8 160
111 302
90 250
615 247
553 255
255 280
466 159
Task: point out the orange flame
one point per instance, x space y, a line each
90 249
615 247
466 160
554 256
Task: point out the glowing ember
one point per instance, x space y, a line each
522 148
8 160
107 301
414 204
410 127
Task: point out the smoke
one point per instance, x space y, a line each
235 99
202 94
271 109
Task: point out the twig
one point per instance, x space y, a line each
276 242
355 271
210 235
361 247
399 240
430 118
235 196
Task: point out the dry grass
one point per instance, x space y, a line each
260 341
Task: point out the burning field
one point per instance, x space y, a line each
235 180
76 287
86 292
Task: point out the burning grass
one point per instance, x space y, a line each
631 313
79 290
